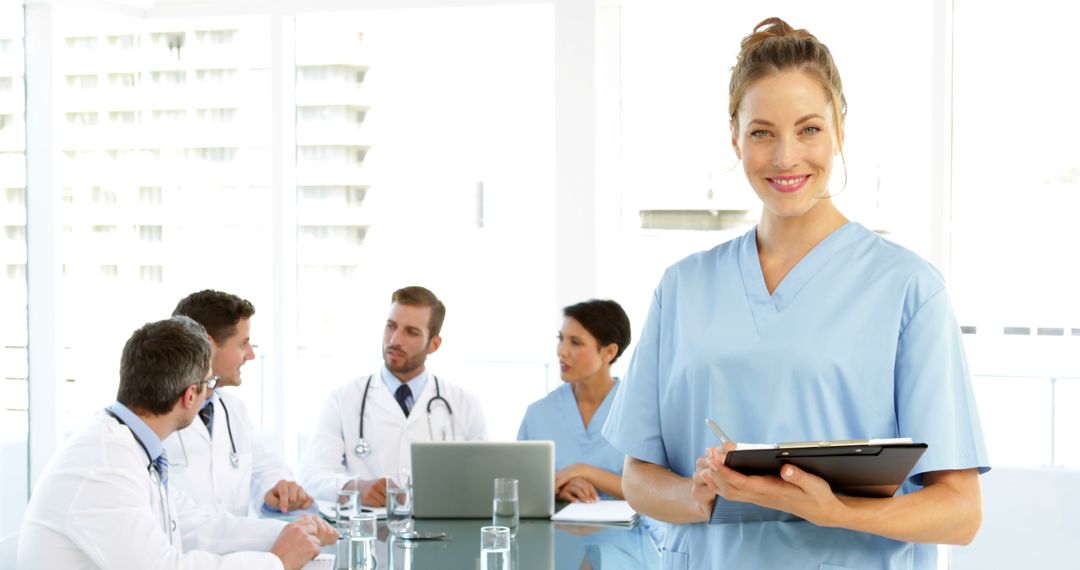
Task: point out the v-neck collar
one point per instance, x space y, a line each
765 307
571 403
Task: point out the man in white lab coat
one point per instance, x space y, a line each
104 500
367 426
219 460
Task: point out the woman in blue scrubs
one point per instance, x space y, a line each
593 335
808 327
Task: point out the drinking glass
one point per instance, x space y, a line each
399 502
362 533
348 501
494 548
505 509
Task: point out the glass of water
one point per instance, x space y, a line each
399 502
494 548
505 509
362 533
348 500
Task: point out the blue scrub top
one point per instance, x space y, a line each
556 417
858 341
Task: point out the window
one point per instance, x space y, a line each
14 394
123 80
220 116
333 196
214 154
332 235
83 43
150 195
336 153
103 196
1013 281
151 273
150 233
15 196
450 119
215 75
167 78
167 40
15 234
335 73
16 272
122 42
120 246
216 37
82 118
82 81
122 117
169 116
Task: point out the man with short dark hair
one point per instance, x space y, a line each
105 500
397 405
219 460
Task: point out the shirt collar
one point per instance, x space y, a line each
416 385
138 427
211 400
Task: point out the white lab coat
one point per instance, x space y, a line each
201 467
97 506
331 450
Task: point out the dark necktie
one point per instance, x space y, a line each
161 465
402 395
207 416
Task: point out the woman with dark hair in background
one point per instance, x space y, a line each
593 335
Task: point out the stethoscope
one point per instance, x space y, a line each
363 447
234 457
155 477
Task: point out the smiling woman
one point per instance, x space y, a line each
785 133
808 327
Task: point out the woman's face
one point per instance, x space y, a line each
785 137
579 353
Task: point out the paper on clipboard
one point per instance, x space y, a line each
826 443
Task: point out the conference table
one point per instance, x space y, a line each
540 544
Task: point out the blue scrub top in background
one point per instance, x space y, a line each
858 341
556 417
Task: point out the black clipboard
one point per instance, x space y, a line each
857 469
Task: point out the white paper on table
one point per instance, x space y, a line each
609 512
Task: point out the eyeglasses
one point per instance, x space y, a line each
211 382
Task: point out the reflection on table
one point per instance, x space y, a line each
539 545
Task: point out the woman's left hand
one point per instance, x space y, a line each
579 470
578 490
795 491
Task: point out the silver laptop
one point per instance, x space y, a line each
456 479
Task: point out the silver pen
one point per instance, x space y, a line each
716 430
